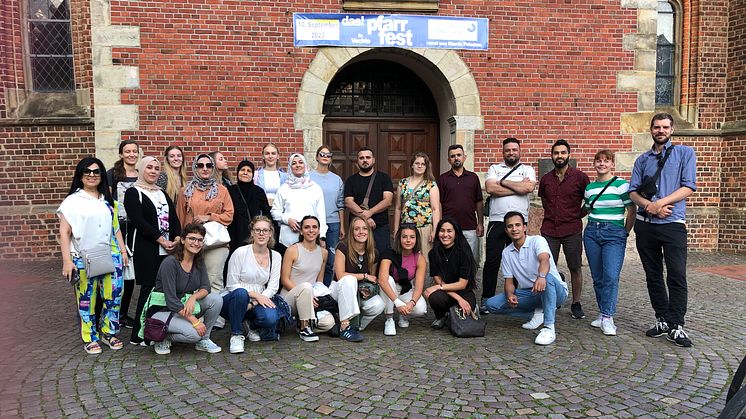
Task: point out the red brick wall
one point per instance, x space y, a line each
712 63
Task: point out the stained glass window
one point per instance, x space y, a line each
665 68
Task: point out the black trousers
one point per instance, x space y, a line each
496 241
657 243
440 301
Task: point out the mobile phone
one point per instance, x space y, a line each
75 277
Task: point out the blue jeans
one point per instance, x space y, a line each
554 295
605 244
332 238
263 319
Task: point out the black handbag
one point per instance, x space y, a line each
465 326
155 330
648 187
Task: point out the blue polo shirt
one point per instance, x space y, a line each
680 170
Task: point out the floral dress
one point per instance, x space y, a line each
416 207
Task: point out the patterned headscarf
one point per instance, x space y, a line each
296 182
202 184
141 182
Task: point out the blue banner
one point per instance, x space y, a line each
402 31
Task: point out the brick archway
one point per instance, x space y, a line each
449 79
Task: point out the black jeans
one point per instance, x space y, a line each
496 241
382 236
440 301
656 243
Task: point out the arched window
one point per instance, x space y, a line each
666 55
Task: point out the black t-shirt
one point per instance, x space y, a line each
359 266
356 186
456 266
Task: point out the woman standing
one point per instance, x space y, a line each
122 177
333 189
355 266
253 279
402 279
182 298
418 200
222 174
605 236
249 201
156 230
298 197
269 177
88 220
453 269
302 267
174 176
204 200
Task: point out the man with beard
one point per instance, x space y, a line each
380 196
562 192
509 185
461 197
662 179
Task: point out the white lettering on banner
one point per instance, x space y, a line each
391 32
353 21
317 30
452 30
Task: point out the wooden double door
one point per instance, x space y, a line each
393 142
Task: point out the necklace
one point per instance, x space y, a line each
448 253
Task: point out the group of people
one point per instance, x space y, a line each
271 244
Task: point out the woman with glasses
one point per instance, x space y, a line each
355 268
297 197
182 298
88 221
302 268
333 189
253 279
222 173
156 230
203 200
173 177
402 279
249 201
418 200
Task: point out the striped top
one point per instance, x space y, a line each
609 208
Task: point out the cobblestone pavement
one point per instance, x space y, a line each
418 373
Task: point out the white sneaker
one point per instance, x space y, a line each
389 328
206 345
607 326
597 322
237 344
546 337
219 323
253 335
535 321
163 348
403 321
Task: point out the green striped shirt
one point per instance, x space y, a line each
609 208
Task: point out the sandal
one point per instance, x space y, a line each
112 342
92 348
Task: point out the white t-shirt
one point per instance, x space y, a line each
271 183
90 219
158 198
504 204
523 264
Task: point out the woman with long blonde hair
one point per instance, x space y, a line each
173 176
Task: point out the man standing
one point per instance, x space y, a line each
532 283
461 197
562 192
509 184
370 201
662 179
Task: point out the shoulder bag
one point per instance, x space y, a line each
216 234
649 187
98 259
364 204
463 326
489 198
156 330
601 193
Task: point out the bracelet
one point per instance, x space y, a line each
412 301
365 277
195 324
441 287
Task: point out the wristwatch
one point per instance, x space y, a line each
541 275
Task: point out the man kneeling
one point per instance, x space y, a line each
532 283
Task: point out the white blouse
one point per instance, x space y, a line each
89 218
244 272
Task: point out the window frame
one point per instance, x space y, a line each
31 84
677 55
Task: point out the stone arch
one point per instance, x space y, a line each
449 79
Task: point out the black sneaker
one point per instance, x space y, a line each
439 323
483 308
307 335
576 311
659 329
678 336
127 322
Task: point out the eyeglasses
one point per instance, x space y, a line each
195 239
322 154
262 231
92 172
203 165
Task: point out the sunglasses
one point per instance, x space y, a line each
322 154
205 165
92 172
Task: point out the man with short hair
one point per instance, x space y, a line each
562 191
380 198
662 178
532 283
509 185
461 197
